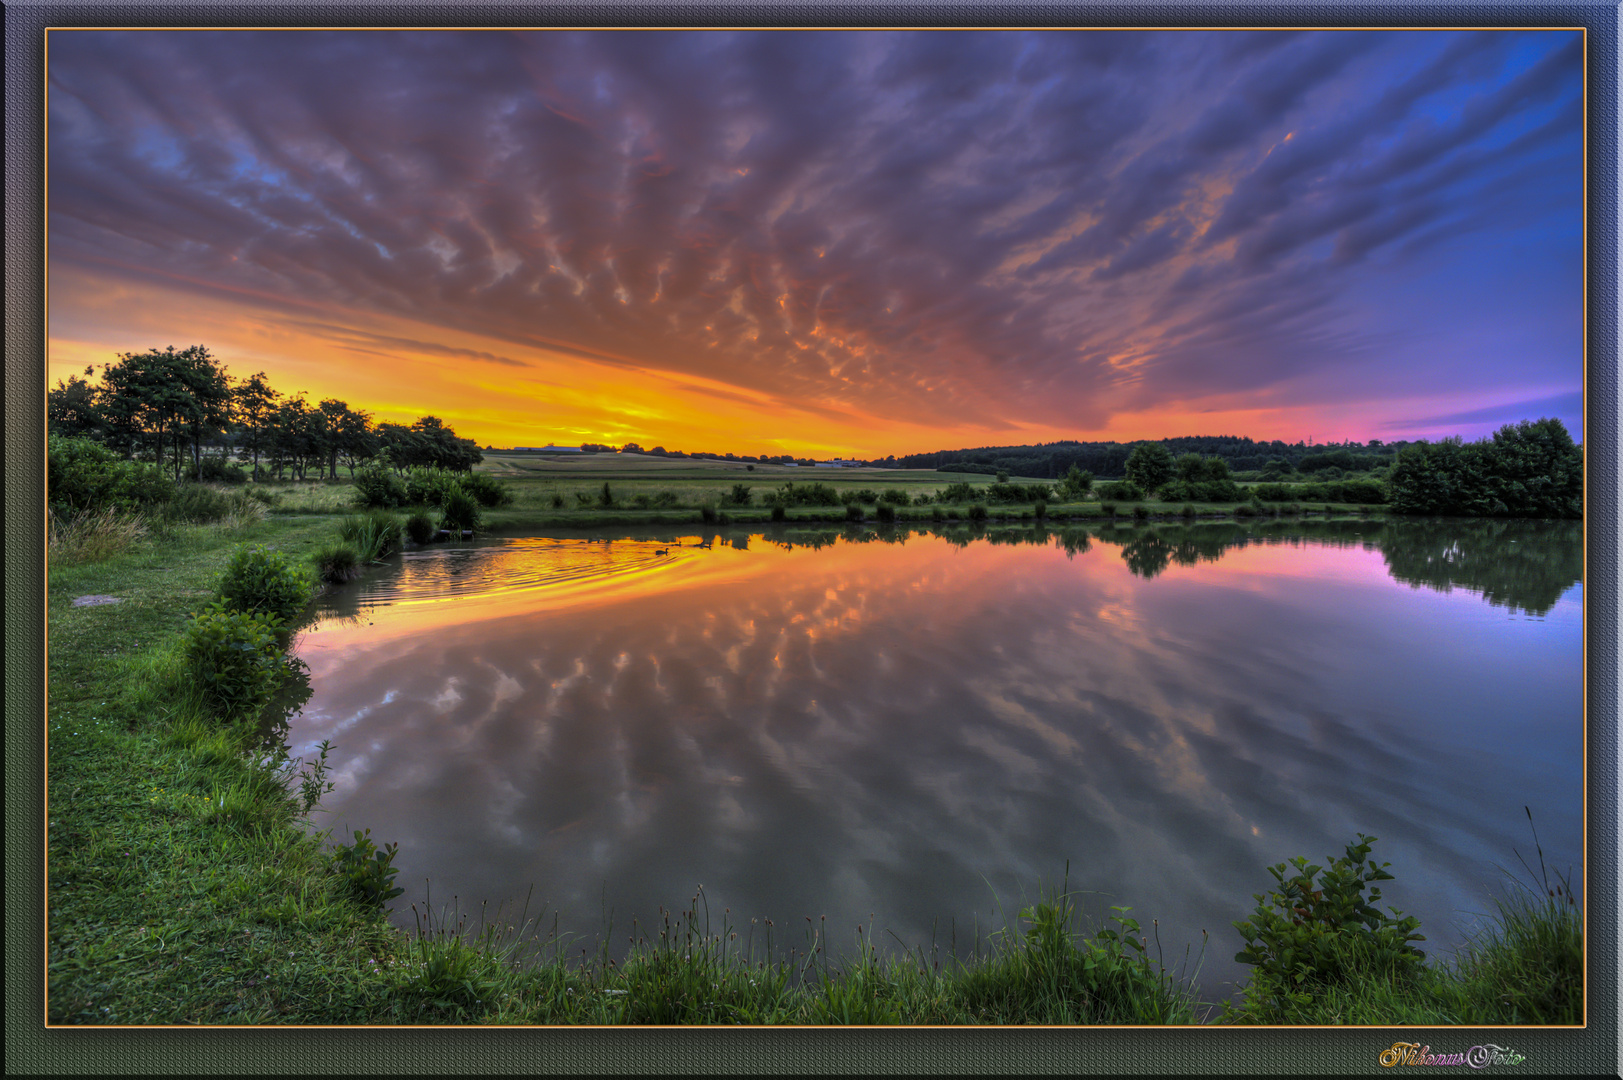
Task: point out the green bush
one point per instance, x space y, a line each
1109 508
977 512
460 511
214 470
778 513
1318 927
1141 512
894 496
960 491
369 870
817 494
234 656
430 485
887 513
378 488
488 490
420 527
1121 490
1040 510
83 474
605 498
853 511
557 500
740 495
261 579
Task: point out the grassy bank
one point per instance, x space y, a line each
183 887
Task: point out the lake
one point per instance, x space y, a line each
915 731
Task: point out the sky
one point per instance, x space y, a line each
836 243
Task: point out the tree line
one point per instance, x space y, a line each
1109 459
183 410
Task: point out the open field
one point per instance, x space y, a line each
561 491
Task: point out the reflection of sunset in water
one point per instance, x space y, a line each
885 728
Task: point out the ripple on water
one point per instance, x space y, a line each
506 567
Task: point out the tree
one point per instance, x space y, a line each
166 397
1077 483
255 404
1149 465
1530 469
349 435
74 409
1539 469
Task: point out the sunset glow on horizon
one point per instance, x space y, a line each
836 243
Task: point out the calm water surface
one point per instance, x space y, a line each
916 728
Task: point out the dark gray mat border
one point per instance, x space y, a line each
31 1048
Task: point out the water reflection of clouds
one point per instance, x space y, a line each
823 733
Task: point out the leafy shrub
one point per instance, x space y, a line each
431 485
960 491
1109 508
605 498
261 579
936 514
1141 512
1188 510
1121 490
369 870
557 500
234 656
420 527
887 513
337 563
1077 483
1201 491
707 514
460 511
923 498
977 512
665 500
83 474
894 496
853 511
740 495
1017 493
778 513
1308 933
583 498
488 490
818 494
378 488
214 470
1040 510
1248 510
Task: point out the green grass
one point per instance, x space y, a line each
183 886
567 492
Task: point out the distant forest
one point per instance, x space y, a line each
1108 459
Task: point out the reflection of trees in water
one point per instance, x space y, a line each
1521 565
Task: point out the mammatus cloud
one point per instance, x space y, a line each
971 231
